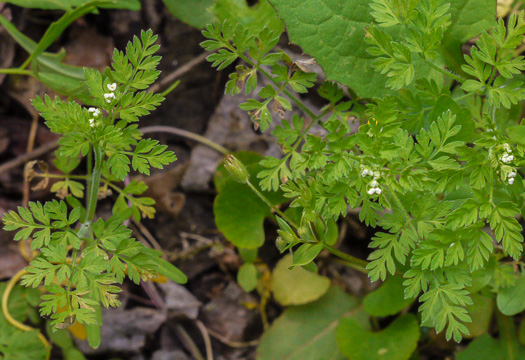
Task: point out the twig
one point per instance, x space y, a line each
206 337
187 134
29 148
20 160
150 238
179 72
188 342
233 344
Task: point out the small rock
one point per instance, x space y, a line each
125 330
227 315
169 355
179 300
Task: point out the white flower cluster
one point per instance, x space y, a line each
110 96
96 114
510 177
374 185
507 157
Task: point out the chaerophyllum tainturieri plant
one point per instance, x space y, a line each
435 165
81 257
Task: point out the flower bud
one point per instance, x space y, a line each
236 169
281 244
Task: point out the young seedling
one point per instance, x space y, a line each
83 258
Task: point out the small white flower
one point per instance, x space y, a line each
95 111
511 181
109 97
373 184
364 173
378 191
506 158
112 87
371 191
512 174
91 122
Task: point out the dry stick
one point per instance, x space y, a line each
186 134
230 343
188 342
148 237
156 87
28 156
206 338
179 72
25 187
29 148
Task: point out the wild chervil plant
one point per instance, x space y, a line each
82 258
434 165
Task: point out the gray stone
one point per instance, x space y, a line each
179 300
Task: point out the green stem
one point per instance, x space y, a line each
298 102
353 262
507 334
265 199
95 182
463 96
458 78
170 89
16 72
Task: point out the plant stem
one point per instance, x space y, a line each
507 334
170 89
5 309
265 199
94 184
458 78
15 72
186 134
354 262
298 102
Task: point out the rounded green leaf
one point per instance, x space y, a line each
397 342
481 313
239 212
308 331
510 299
192 12
248 277
393 290
483 348
296 286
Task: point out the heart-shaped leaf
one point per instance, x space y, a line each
393 290
296 286
510 299
333 32
397 342
239 212
308 331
